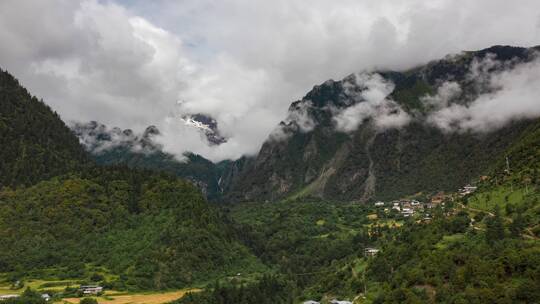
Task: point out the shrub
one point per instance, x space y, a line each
89 301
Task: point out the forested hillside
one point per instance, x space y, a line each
151 231
62 216
36 144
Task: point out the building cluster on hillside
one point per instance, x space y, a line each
405 207
86 290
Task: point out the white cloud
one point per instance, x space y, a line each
368 94
298 119
446 92
126 63
510 94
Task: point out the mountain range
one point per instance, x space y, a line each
327 148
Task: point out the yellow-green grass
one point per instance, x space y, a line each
388 223
36 284
372 217
447 240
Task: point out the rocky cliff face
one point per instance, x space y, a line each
387 134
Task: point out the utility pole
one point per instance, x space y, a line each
508 171
365 284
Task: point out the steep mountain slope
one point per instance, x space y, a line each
341 142
207 125
36 144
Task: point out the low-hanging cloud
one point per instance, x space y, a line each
369 95
127 63
512 93
298 119
98 138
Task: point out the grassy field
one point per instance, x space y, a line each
5 288
385 222
447 240
136 298
500 196
110 296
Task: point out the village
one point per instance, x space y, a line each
407 208
83 290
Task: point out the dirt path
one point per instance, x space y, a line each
528 235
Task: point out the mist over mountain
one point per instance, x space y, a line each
386 134
372 135
114 146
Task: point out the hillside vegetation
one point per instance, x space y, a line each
152 231
36 144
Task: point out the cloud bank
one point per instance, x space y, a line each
127 63
369 96
508 95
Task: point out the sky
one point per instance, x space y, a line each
135 63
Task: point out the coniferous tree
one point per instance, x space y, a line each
495 227
517 225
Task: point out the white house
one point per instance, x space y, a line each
468 189
370 251
407 212
334 301
91 289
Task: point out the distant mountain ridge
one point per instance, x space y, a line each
308 156
207 125
390 152
114 146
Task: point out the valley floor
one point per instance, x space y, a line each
136 298
316 250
